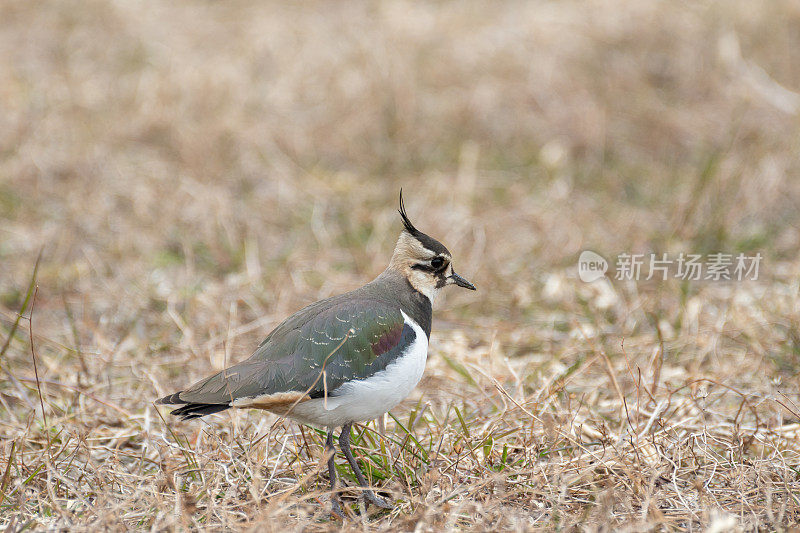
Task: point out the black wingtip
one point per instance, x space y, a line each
172 399
409 227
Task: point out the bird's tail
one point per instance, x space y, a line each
191 410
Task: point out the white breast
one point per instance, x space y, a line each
365 399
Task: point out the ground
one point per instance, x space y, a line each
193 172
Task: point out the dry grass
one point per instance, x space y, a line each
194 172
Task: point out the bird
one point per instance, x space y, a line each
342 360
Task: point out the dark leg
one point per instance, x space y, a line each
329 449
344 444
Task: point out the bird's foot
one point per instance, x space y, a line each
370 497
336 509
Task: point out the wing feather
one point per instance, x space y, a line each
346 339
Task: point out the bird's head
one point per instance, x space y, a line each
423 260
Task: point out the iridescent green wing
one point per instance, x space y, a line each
350 341
347 339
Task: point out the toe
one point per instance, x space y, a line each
378 502
336 510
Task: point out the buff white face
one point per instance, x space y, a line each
426 263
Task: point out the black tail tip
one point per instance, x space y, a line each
196 410
189 410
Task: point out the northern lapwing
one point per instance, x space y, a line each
349 358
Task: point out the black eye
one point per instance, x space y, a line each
437 263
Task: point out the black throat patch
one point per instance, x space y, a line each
420 309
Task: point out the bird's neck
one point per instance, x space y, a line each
415 303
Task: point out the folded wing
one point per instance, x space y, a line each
310 354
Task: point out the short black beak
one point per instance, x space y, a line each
461 282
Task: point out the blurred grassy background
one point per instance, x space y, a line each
195 171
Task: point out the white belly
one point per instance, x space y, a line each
369 398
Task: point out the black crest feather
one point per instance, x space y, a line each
406 222
429 243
